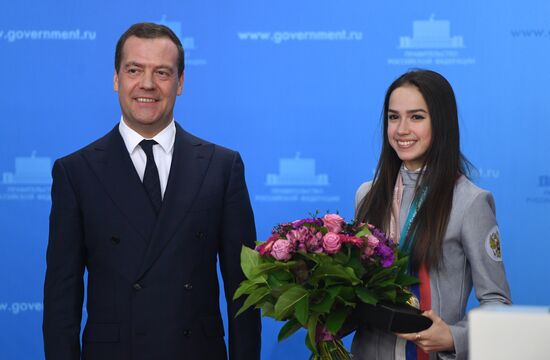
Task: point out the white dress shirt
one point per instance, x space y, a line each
162 152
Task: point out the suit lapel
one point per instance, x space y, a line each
190 162
111 162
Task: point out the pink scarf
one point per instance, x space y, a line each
423 274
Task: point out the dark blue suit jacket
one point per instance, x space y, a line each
152 289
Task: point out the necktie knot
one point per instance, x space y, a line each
147 146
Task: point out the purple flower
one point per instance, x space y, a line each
380 235
386 255
298 223
322 334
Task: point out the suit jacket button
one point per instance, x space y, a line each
188 287
187 333
137 287
115 240
199 235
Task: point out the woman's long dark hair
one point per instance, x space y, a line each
444 163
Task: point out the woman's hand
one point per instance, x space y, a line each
437 337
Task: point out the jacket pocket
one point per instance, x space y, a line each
97 332
212 326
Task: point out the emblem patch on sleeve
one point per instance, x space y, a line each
492 244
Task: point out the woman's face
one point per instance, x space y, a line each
409 126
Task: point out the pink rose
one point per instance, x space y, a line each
372 241
368 251
333 222
332 243
281 249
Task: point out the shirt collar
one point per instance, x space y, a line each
131 138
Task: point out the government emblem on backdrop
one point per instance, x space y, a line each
29 180
432 43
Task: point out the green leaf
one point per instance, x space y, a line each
341 258
402 262
302 311
358 268
364 232
337 271
276 292
345 302
352 275
253 299
286 302
347 293
312 257
406 280
389 283
366 296
312 348
259 280
283 275
390 294
324 305
246 287
250 259
334 291
332 282
288 329
276 279
336 319
263 268
380 276
311 330
268 309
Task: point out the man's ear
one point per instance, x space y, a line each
115 81
180 84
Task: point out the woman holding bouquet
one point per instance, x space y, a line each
422 197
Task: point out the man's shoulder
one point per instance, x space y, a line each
219 150
96 144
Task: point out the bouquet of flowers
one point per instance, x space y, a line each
314 272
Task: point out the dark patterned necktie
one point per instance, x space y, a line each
151 176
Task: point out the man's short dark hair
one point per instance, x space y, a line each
147 30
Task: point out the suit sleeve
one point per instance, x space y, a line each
238 229
63 287
481 241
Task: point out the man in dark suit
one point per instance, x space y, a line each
147 210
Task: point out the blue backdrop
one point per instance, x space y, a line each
297 87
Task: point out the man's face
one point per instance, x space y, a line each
147 83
